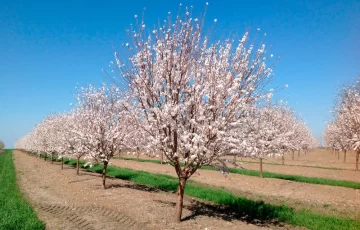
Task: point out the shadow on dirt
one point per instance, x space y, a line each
139 187
217 211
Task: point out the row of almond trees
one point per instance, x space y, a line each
343 132
180 93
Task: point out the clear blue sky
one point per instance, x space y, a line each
47 47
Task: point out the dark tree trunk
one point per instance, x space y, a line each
104 174
299 153
162 158
52 158
339 155
78 166
235 158
282 159
62 162
261 168
180 199
344 156
45 156
293 154
357 160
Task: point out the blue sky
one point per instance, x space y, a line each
48 47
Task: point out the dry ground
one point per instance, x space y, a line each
320 157
66 201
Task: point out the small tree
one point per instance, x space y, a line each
268 132
344 132
2 145
105 126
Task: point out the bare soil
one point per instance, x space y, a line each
67 201
350 175
319 157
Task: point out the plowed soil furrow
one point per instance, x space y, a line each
83 217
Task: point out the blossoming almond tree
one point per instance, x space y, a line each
189 89
65 137
266 131
344 131
105 125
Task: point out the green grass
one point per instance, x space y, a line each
306 166
15 212
302 179
241 206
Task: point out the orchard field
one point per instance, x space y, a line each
67 201
188 130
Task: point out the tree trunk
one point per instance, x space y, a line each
62 162
104 174
180 199
261 171
299 153
52 158
357 160
293 154
283 159
78 166
344 156
339 155
45 156
162 158
235 158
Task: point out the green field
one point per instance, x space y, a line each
15 212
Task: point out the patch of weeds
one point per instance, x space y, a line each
299 203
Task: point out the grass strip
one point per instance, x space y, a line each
306 166
15 212
302 179
243 207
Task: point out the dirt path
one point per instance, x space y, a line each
350 175
66 201
319 197
320 157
